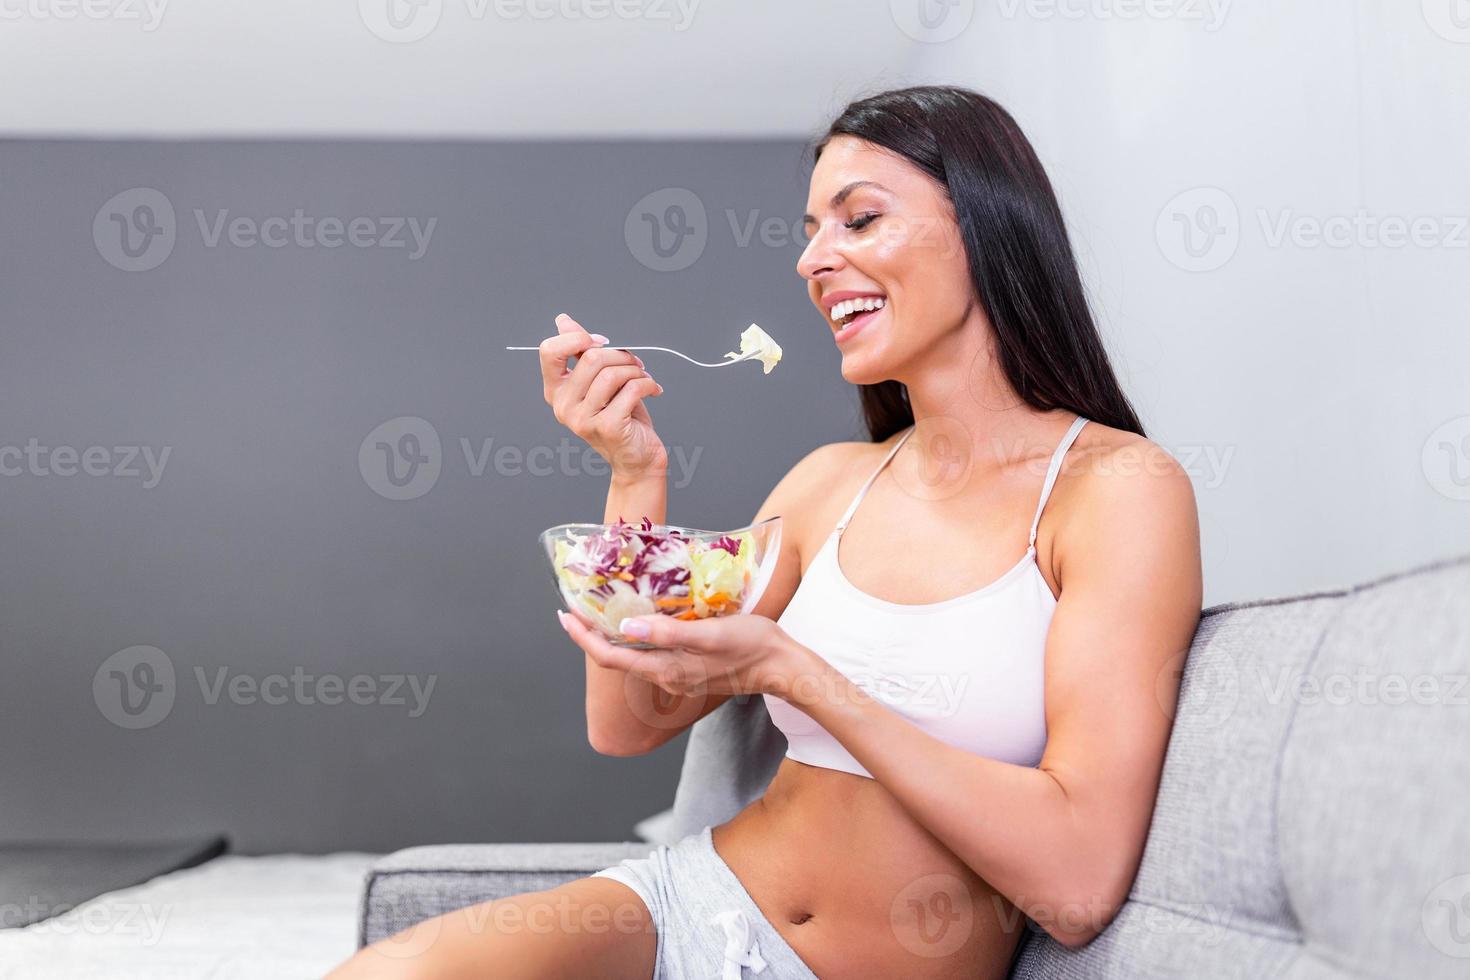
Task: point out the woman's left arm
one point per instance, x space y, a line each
1062 840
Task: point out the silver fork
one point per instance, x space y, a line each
670 350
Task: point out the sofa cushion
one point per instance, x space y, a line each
1374 813
1312 832
419 883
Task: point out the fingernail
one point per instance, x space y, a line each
561 618
660 388
599 338
638 359
636 628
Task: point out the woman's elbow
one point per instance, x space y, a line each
1079 917
617 743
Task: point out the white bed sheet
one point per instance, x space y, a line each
278 916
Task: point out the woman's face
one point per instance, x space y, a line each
883 234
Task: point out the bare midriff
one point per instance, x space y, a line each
860 889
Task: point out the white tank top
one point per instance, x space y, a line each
967 670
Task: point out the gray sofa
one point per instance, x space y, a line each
1313 819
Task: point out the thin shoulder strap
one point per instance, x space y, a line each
853 506
1053 470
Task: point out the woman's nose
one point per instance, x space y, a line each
818 259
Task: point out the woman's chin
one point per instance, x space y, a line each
863 369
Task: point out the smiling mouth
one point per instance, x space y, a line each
845 312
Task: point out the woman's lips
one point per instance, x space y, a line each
856 324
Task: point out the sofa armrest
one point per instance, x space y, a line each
418 883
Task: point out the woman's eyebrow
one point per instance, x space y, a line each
842 195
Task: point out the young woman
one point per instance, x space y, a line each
972 736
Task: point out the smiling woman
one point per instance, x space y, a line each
902 833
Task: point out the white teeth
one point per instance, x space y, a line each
847 307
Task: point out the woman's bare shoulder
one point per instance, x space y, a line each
1111 472
814 490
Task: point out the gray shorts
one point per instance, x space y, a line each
709 928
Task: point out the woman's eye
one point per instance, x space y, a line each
861 221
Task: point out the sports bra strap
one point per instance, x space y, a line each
1051 476
855 500
1053 470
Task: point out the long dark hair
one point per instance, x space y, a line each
1020 259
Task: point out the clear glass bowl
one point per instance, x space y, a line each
608 571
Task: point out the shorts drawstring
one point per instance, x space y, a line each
740 948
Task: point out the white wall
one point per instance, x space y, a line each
1319 376
484 69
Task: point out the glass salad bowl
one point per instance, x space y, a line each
608 571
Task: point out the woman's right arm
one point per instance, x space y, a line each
601 400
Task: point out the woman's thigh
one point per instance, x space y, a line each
587 927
